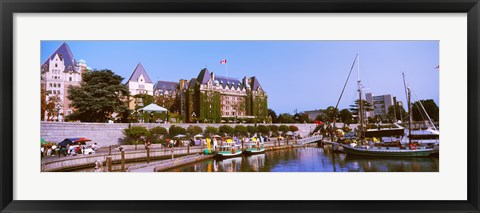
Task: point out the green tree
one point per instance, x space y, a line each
53 107
252 129
43 103
273 128
293 128
285 118
210 130
134 134
159 130
100 94
346 116
354 108
226 129
330 114
301 118
430 107
177 130
156 133
143 100
398 111
273 115
283 128
241 130
193 130
264 129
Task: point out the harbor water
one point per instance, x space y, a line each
311 159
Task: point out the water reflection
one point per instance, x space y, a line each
311 159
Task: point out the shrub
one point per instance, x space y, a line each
226 129
241 130
210 130
177 130
135 133
194 130
264 129
252 129
293 128
283 128
158 130
157 133
273 128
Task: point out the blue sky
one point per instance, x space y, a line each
302 75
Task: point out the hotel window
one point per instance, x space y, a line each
50 84
56 65
70 78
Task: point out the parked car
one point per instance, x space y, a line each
85 150
88 150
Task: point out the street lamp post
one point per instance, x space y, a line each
193 116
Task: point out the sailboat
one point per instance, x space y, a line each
366 149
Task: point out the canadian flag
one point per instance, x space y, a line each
223 61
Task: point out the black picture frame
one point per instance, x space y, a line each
9 7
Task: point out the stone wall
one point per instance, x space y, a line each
105 134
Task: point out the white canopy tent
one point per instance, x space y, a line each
153 108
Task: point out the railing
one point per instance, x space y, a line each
310 139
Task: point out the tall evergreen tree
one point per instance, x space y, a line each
430 106
99 96
354 108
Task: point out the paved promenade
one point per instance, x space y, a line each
156 152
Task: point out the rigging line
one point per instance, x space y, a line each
425 111
345 85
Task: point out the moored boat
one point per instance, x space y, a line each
389 151
255 147
364 148
228 150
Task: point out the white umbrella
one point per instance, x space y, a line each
198 136
289 133
153 108
180 136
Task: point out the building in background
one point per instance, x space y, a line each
166 95
139 83
207 98
58 72
211 98
380 104
312 114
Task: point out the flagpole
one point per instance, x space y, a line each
226 68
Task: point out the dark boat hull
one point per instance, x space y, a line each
389 153
228 155
254 152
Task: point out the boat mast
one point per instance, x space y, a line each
409 112
360 108
341 94
410 120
